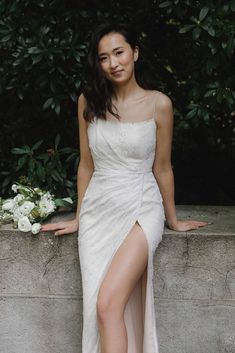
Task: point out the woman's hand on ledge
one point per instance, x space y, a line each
61 228
183 226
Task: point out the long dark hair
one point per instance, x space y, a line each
97 89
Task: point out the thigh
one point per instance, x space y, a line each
126 268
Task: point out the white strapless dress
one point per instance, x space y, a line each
122 190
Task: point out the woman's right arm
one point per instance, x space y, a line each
84 174
86 166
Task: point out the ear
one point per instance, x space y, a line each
136 53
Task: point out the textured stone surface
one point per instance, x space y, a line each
43 264
195 326
195 267
194 286
40 325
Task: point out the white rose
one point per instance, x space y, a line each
17 215
18 198
49 195
24 224
26 207
36 228
8 205
46 206
14 188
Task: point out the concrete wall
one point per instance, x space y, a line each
194 285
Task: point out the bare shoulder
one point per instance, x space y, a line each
82 100
164 108
162 100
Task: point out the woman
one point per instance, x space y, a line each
125 193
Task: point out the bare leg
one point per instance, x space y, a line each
126 268
144 284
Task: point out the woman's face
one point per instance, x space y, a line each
116 57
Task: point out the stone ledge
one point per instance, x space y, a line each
194 287
221 217
193 265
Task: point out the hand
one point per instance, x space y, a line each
182 226
65 227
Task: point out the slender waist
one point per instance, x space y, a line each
110 171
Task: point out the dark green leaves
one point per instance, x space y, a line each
203 13
48 169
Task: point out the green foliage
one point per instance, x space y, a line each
38 37
47 170
190 45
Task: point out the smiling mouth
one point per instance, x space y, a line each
116 72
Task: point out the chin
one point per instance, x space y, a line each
119 82
120 79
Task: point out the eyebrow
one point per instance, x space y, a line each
112 50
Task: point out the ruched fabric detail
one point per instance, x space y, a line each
121 192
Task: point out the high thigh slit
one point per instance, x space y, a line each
121 192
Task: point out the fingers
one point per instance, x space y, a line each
196 224
52 226
200 224
63 231
55 226
187 225
67 227
191 225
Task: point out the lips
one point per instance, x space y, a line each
116 72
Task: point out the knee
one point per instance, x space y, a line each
108 308
103 307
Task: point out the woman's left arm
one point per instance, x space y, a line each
162 167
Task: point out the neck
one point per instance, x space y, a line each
127 90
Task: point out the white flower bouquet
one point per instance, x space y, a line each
29 207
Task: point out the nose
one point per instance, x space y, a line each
113 62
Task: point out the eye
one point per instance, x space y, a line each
102 59
119 52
